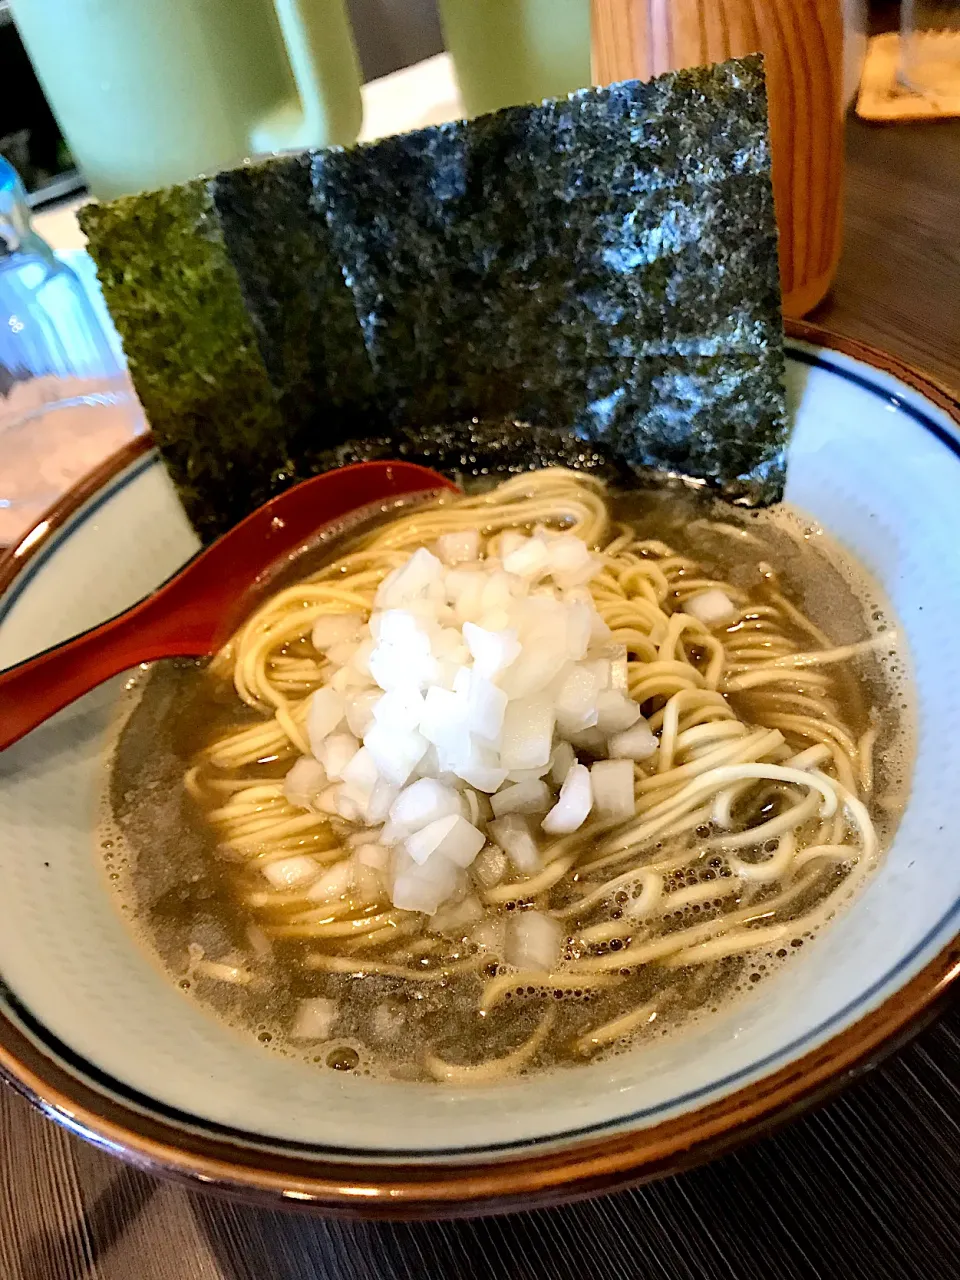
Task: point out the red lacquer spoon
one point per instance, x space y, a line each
196 611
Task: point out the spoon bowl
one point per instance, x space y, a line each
196 611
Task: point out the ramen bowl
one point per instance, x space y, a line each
101 1039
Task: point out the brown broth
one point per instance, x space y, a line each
181 891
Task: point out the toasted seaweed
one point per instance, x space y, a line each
191 348
599 269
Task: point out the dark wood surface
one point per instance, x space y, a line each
865 1188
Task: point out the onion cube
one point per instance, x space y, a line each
527 738
579 629
423 802
410 582
492 651
396 753
612 782
533 941
336 628
360 662
459 840
616 711
333 883
522 797
457 915
590 740
455 548
423 888
529 559
513 836
713 607
291 873
361 771
465 592
509 540
304 782
373 855
360 708
342 655
338 750
486 706
326 710
478 765
561 762
381 798
573 805
402 655
401 708
636 743
443 715
571 562
529 775
489 866
577 698
314 1019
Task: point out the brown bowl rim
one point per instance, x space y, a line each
434 1190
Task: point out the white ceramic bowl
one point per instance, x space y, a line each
102 1039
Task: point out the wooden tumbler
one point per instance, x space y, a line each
802 43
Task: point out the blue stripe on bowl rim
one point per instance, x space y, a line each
93 1075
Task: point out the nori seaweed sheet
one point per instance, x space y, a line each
598 274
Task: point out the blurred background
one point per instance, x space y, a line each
389 34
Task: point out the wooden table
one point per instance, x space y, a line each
866 1188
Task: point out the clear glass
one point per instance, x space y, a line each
930 47
66 402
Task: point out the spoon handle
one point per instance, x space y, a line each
34 690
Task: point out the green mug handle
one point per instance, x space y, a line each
327 109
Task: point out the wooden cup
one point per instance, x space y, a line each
802 43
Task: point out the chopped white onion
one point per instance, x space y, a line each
314 1019
304 781
489 866
527 733
336 628
522 797
616 712
490 935
455 548
636 743
291 873
713 607
424 887
492 651
528 559
563 759
333 883
573 805
533 941
577 698
411 582
513 836
612 782
457 916
396 753
453 838
401 708
337 752
360 710
423 802
326 710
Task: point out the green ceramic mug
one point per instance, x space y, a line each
149 92
514 51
